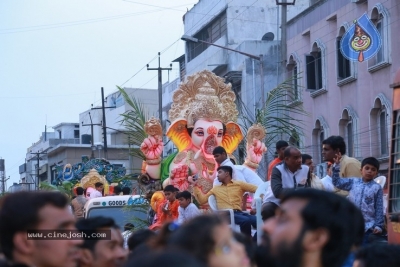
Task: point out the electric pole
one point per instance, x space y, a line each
37 167
159 69
104 122
91 130
3 176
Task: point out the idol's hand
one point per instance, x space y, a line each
256 151
152 147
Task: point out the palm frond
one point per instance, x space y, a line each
65 188
134 121
276 114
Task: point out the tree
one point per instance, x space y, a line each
65 188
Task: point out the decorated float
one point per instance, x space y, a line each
203 115
90 171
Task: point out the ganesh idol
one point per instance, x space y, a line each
203 115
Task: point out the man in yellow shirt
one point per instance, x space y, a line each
229 196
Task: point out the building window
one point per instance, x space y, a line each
349 130
76 133
394 200
345 69
349 138
320 132
380 17
210 33
294 80
379 127
316 69
383 130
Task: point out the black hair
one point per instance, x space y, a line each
305 157
128 227
170 188
336 142
93 224
201 232
288 151
281 144
98 184
126 190
341 218
371 161
185 194
249 245
139 237
117 190
219 150
162 238
382 255
79 191
20 212
166 258
226 168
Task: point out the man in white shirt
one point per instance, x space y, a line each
98 192
128 230
187 210
327 180
240 172
286 177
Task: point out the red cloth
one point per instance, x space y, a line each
162 217
271 166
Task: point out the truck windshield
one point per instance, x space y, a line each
121 215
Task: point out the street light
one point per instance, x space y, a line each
188 38
284 4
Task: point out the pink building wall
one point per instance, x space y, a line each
359 95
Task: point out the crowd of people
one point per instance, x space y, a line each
307 221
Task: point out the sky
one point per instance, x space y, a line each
56 55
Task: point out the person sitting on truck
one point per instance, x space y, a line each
117 190
168 210
98 192
364 192
78 203
187 210
155 198
126 190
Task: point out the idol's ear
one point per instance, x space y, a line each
179 135
232 137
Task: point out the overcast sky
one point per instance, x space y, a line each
56 55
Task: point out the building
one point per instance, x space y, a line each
252 30
71 141
351 99
37 158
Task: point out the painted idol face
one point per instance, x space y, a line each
207 135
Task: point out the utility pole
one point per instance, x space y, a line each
91 130
283 34
37 168
159 69
104 122
3 176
